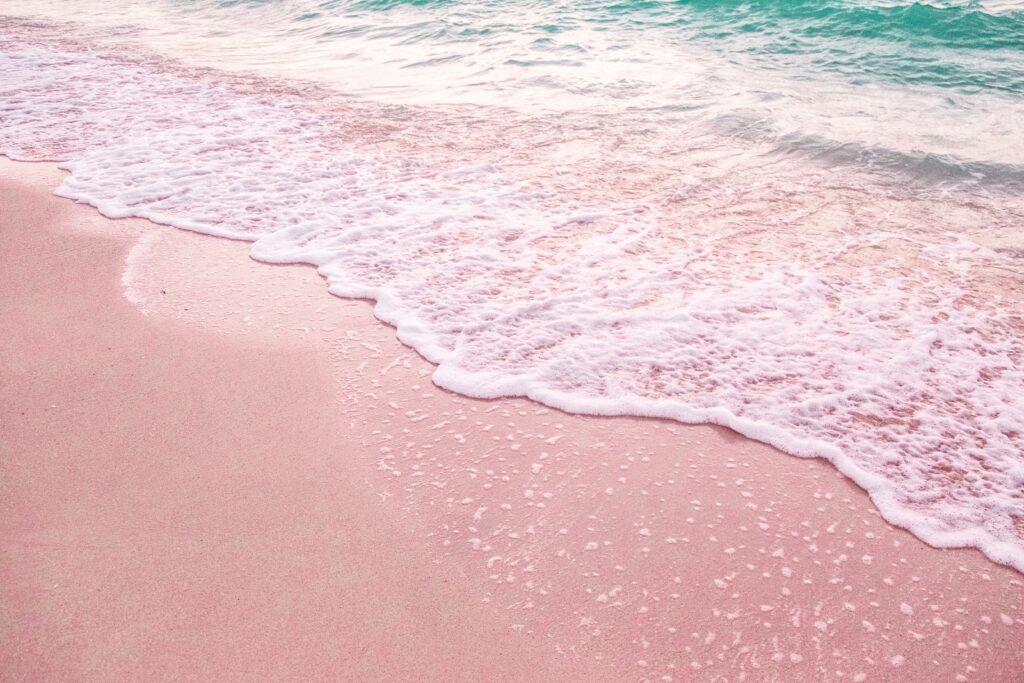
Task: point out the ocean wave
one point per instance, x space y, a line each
590 264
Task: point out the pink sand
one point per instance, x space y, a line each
212 470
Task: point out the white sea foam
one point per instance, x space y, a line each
132 266
412 54
816 309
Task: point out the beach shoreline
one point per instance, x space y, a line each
165 518
214 470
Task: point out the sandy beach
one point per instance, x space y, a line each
210 469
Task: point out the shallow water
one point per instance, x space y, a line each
799 220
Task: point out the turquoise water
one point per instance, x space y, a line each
964 46
935 91
959 46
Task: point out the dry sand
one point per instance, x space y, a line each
212 470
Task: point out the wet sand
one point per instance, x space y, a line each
212 470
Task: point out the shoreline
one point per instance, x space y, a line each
480 514
884 355
159 525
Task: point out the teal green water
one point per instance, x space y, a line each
962 46
930 93
953 47
969 46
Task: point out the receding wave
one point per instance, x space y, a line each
593 264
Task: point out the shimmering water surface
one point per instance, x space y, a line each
801 220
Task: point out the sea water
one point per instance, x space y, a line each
801 220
